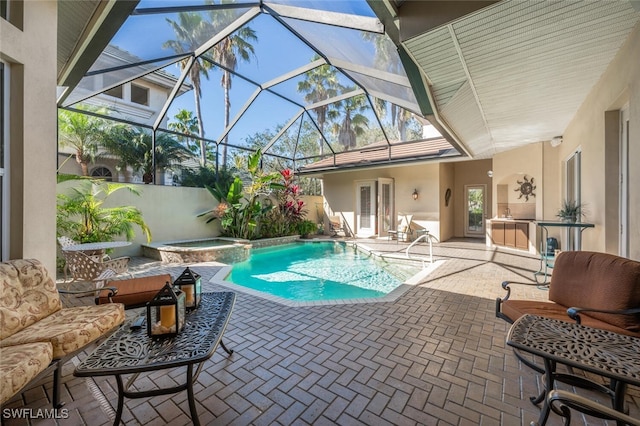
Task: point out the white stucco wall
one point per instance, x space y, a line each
340 193
171 212
32 68
619 85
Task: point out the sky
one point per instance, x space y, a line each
277 51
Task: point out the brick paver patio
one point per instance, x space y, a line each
434 356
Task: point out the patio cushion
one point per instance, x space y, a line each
20 364
135 292
27 295
70 329
598 280
514 309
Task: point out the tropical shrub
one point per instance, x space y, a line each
202 177
306 228
82 217
290 212
241 207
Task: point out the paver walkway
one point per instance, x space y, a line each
434 356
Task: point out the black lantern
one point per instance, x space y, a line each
166 312
190 283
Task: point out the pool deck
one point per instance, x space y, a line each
436 355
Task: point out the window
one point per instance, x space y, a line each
3 8
139 95
4 161
116 92
103 173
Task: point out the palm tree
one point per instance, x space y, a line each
191 32
187 125
386 58
84 133
227 53
133 147
320 84
349 120
82 216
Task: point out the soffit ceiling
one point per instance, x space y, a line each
73 19
514 72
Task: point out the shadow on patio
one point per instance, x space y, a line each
436 355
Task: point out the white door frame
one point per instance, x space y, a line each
4 167
623 240
365 226
479 233
573 192
391 207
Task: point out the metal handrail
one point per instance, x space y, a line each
428 237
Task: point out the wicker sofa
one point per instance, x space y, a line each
37 334
596 289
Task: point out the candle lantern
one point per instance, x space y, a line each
190 283
166 312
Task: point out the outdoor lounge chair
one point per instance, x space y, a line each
562 401
83 267
404 231
65 242
335 225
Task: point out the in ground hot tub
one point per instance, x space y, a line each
220 249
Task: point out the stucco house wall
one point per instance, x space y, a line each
429 179
618 86
32 125
447 217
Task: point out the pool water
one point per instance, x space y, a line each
317 272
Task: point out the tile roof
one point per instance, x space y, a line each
382 153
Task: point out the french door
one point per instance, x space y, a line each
365 208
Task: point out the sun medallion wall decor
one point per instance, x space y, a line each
526 188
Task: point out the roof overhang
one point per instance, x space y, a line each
500 75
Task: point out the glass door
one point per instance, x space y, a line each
366 208
385 206
474 211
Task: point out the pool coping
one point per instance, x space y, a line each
220 276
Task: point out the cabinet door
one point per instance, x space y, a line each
522 236
510 234
497 233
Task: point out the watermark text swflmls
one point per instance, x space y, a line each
35 413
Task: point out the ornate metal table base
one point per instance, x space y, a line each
610 355
131 351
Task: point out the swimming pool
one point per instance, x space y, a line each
319 271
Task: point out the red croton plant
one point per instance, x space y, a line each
289 203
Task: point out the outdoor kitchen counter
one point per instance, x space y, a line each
513 233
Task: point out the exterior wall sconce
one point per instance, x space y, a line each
415 194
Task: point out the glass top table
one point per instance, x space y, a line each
131 351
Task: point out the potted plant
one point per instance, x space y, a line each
570 211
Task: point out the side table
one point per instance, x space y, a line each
132 351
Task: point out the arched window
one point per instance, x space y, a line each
103 173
